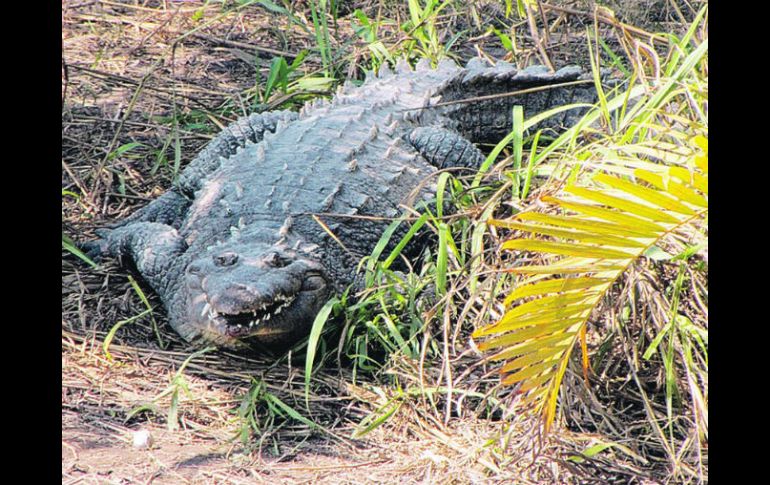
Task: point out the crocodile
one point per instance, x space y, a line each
272 217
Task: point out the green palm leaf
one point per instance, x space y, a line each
605 228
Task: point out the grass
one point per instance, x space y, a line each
396 361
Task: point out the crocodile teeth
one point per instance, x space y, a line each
206 309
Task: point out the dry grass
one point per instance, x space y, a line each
99 394
155 74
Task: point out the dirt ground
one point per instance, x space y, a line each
129 69
98 430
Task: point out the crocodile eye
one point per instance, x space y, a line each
275 260
226 259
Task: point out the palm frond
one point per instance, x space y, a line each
606 226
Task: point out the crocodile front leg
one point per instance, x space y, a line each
156 249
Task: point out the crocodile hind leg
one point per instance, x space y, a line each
445 148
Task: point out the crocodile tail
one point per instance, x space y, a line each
480 98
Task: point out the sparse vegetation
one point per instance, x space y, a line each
618 266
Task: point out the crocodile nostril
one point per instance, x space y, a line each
225 259
195 269
313 282
275 260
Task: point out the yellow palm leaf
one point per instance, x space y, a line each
533 384
681 191
566 269
624 205
574 235
597 227
566 249
562 305
527 347
700 182
654 179
548 325
535 338
553 286
530 371
654 196
702 162
532 358
686 193
702 142
682 174
609 215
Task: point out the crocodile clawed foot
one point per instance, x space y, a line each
98 248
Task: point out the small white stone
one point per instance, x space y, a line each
142 439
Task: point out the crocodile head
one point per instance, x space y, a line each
242 296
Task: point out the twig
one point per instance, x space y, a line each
607 20
65 74
536 36
118 130
147 125
115 77
244 45
502 95
147 9
74 178
153 32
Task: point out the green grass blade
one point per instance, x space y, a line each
68 245
312 345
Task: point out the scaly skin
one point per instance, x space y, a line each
240 249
